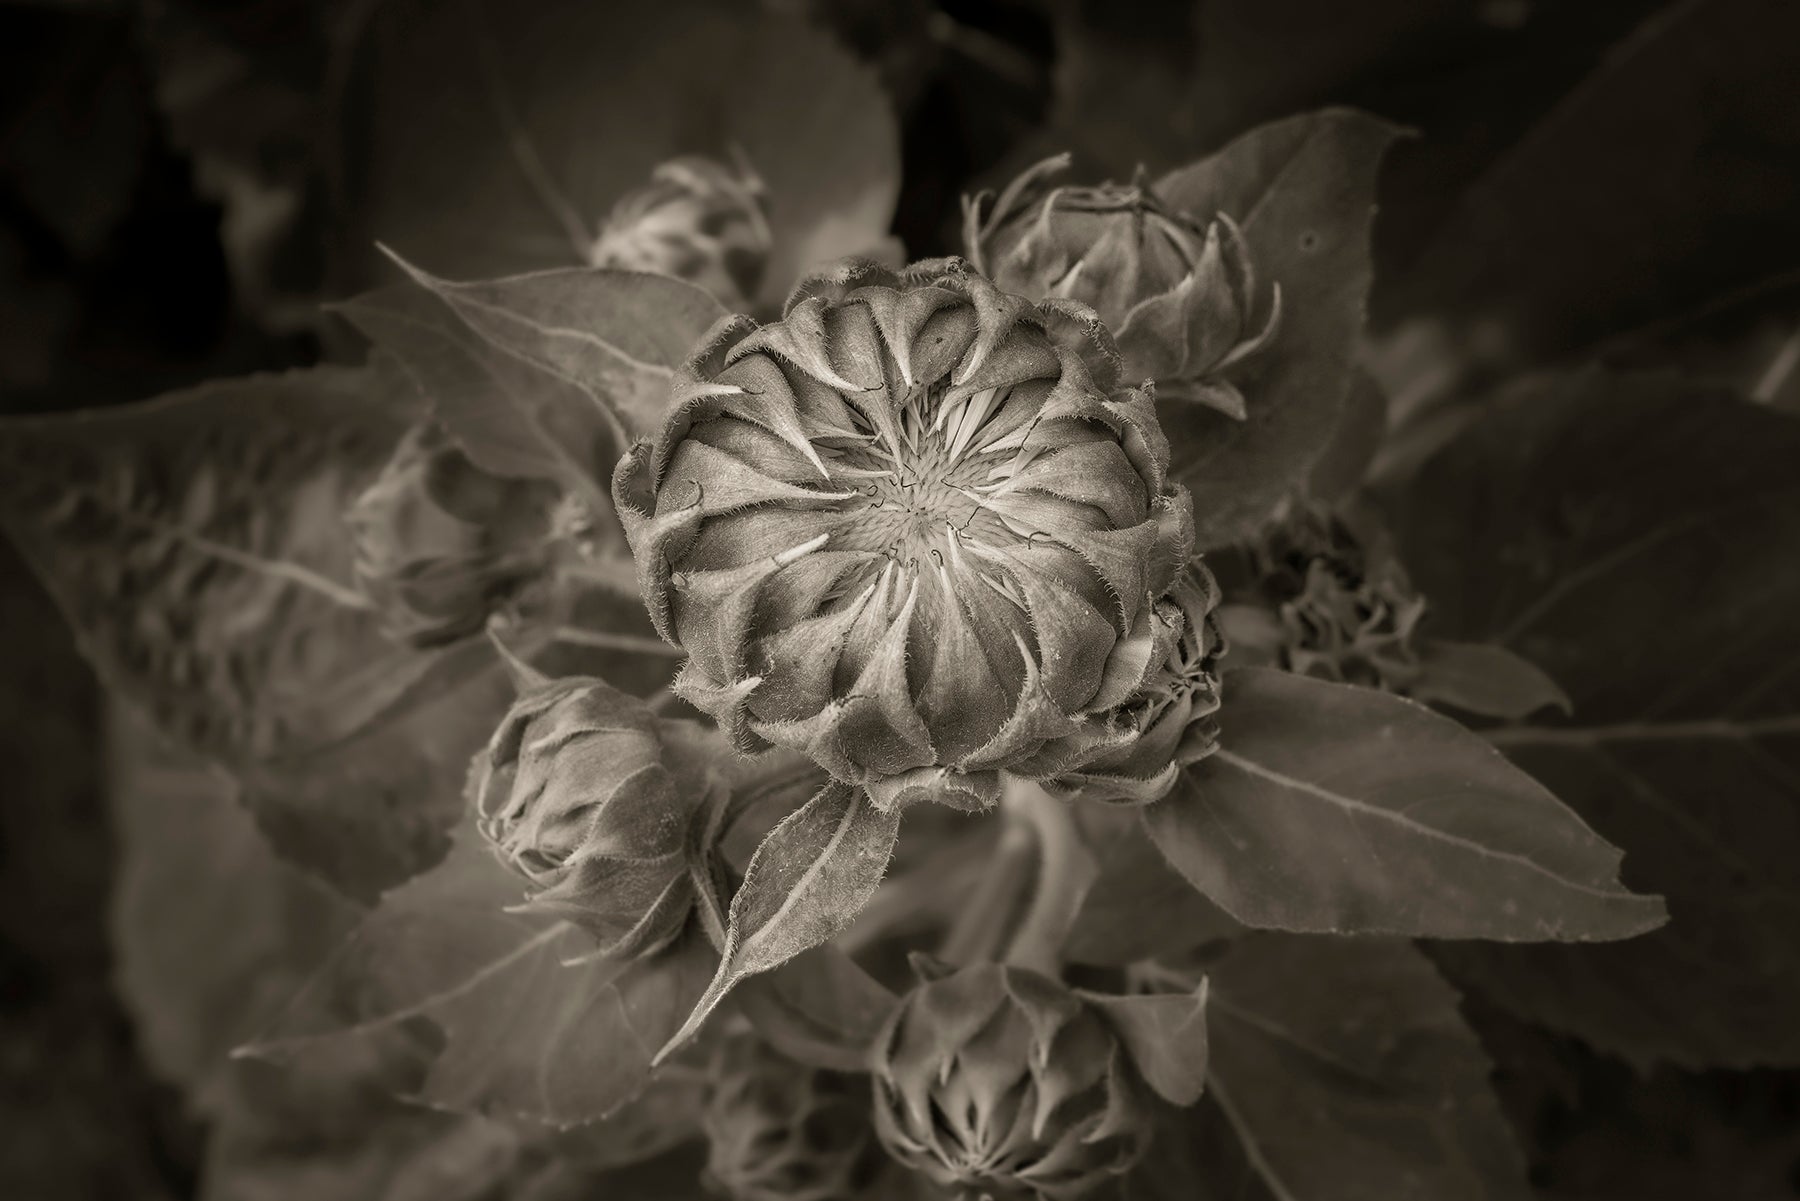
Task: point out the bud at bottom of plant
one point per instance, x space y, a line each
1002 1082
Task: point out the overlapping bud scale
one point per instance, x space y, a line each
1175 713
909 531
1002 1082
1180 296
575 792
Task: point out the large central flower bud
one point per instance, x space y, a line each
907 531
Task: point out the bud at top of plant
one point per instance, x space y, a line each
1179 296
1176 711
780 1131
574 793
906 531
697 219
1001 1081
1343 610
440 543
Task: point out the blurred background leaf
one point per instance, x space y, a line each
1636 540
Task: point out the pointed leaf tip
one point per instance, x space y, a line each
806 883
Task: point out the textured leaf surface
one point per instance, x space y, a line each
525 1033
1639 539
615 336
1333 809
806 883
1303 190
194 543
508 416
1347 1074
501 134
196 546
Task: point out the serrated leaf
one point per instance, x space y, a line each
806 883
196 545
1637 537
509 416
176 533
1347 1073
1165 1036
526 1032
1483 679
616 336
1303 190
1333 809
500 135
819 1008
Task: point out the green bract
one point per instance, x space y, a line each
1001 1081
1179 296
573 792
909 531
440 543
697 219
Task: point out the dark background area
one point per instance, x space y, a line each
116 283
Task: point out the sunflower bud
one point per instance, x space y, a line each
1175 713
1179 296
907 532
1001 1081
1331 606
698 220
440 543
780 1131
573 793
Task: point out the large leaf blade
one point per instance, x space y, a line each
1635 533
1332 809
1303 190
1345 1070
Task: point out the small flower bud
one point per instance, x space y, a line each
698 220
574 794
908 532
999 1080
1175 713
440 543
1179 296
779 1131
1342 611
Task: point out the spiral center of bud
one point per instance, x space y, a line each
928 478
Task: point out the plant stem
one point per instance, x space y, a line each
1066 871
981 928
